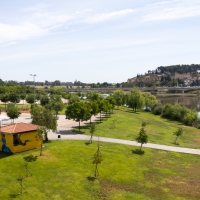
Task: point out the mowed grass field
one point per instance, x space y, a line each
125 124
65 171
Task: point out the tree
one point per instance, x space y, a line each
12 111
100 105
135 100
149 100
92 130
97 159
23 96
41 133
57 104
30 98
78 111
118 96
65 96
94 96
14 97
28 159
73 98
5 98
44 100
93 108
106 106
178 133
45 118
111 101
142 137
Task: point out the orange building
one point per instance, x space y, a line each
18 137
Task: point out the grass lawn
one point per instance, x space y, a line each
20 106
127 126
65 171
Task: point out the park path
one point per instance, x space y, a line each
65 132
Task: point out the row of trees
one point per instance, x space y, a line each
83 111
178 113
134 99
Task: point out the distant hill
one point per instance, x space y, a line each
182 75
179 69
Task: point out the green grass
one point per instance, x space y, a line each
65 171
159 130
20 106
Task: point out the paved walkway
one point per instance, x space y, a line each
65 127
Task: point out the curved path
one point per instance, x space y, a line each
65 131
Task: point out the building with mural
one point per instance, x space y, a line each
18 137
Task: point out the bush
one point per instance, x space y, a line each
157 109
179 113
190 118
196 123
167 111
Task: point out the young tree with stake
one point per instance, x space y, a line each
178 133
92 130
97 160
142 137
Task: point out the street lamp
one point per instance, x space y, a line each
34 75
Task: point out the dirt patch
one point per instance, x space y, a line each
108 187
187 185
196 140
47 155
195 133
180 186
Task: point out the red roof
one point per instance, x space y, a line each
18 128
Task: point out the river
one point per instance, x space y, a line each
189 102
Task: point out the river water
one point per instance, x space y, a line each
189 102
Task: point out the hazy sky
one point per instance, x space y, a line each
95 40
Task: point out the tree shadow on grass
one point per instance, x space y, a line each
46 142
138 152
4 155
107 116
91 178
87 143
132 111
82 129
13 196
67 132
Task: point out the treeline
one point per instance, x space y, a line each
58 83
81 106
177 113
181 69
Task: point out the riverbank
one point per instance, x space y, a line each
177 95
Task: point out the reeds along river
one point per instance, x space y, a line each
189 102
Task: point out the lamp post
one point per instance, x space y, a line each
34 75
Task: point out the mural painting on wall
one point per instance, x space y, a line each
17 141
4 147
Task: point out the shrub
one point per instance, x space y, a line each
179 113
190 118
196 123
167 111
157 109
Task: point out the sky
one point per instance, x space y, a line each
95 41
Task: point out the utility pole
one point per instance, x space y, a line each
34 75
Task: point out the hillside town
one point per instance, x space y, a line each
158 78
